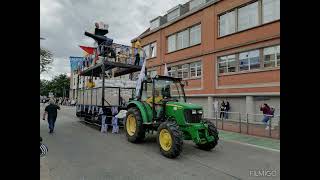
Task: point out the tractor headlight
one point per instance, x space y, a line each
199 111
194 111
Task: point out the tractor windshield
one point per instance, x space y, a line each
169 88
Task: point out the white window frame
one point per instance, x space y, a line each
183 39
146 49
149 53
174 37
173 14
228 59
196 66
155 23
275 4
196 3
194 31
174 43
249 59
230 17
247 17
259 15
153 51
276 51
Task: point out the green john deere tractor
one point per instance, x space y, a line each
162 107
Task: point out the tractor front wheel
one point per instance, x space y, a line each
170 139
134 125
212 130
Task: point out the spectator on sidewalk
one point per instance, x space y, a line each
222 109
266 110
227 108
51 113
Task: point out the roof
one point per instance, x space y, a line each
189 13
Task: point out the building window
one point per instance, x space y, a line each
155 23
271 56
172 43
248 16
195 35
195 69
179 71
172 71
227 23
150 50
186 38
249 60
270 10
152 73
153 49
196 3
185 71
173 14
146 49
227 64
183 39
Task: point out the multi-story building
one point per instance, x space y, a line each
225 49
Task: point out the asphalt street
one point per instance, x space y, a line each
78 151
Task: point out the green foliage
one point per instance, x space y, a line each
59 85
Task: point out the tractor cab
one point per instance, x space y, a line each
158 91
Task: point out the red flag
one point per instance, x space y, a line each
89 50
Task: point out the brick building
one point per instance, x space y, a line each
225 49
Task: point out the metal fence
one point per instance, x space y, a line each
247 123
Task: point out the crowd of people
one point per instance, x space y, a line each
61 101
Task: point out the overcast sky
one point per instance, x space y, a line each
63 22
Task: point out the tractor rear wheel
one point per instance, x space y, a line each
134 125
212 130
170 139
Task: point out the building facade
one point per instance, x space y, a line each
226 50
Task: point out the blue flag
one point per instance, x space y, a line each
74 61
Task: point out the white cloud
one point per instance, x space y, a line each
63 22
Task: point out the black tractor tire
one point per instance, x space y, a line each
212 130
176 137
139 133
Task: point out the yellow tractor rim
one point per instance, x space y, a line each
165 140
131 125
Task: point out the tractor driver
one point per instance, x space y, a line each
157 100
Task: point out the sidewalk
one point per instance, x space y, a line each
44 169
266 143
253 128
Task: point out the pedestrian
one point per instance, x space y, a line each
227 108
51 113
266 110
137 60
222 109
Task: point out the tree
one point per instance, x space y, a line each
59 86
46 58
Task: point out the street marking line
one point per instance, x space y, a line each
252 145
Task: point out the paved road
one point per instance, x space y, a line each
80 152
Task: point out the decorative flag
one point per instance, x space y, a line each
89 50
74 62
141 75
165 70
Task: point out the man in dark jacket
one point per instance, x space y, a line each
51 112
